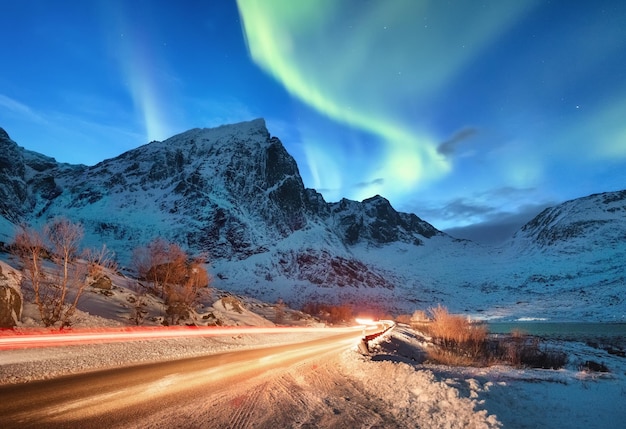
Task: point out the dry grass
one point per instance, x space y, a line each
457 340
446 357
333 314
522 350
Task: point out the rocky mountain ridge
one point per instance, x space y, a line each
236 195
230 193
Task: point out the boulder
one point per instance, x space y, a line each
10 302
103 282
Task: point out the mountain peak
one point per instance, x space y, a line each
4 134
246 131
253 127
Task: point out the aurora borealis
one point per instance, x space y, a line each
470 114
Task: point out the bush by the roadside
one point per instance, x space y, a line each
522 350
593 366
329 313
459 341
404 319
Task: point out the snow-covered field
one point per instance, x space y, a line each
392 387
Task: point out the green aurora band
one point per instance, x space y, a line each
349 61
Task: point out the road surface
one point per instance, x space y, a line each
296 385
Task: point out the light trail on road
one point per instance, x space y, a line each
124 396
11 339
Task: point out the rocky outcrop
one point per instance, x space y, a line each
10 298
27 180
102 282
375 220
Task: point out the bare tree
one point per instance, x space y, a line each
182 295
29 247
60 240
138 311
160 263
65 237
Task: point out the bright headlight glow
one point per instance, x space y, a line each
361 321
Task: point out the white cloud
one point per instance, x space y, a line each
20 109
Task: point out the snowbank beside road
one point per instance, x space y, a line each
416 396
490 396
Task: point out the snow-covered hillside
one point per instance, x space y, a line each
235 194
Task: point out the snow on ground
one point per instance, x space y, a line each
25 365
415 394
517 398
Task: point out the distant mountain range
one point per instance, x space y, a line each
235 194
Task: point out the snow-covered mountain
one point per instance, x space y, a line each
235 194
590 223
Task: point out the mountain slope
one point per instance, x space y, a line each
234 194
598 220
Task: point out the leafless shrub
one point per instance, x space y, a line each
420 321
279 311
522 350
99 261
404 319
419 316
593 366
160 263
138 310
516 346
171 275
29 247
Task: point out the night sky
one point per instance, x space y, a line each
474 115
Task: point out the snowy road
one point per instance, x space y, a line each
311 385
249 388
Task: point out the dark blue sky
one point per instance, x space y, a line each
472 115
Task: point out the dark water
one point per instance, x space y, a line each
561 329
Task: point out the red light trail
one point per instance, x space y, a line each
17 339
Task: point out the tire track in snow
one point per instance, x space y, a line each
244 407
